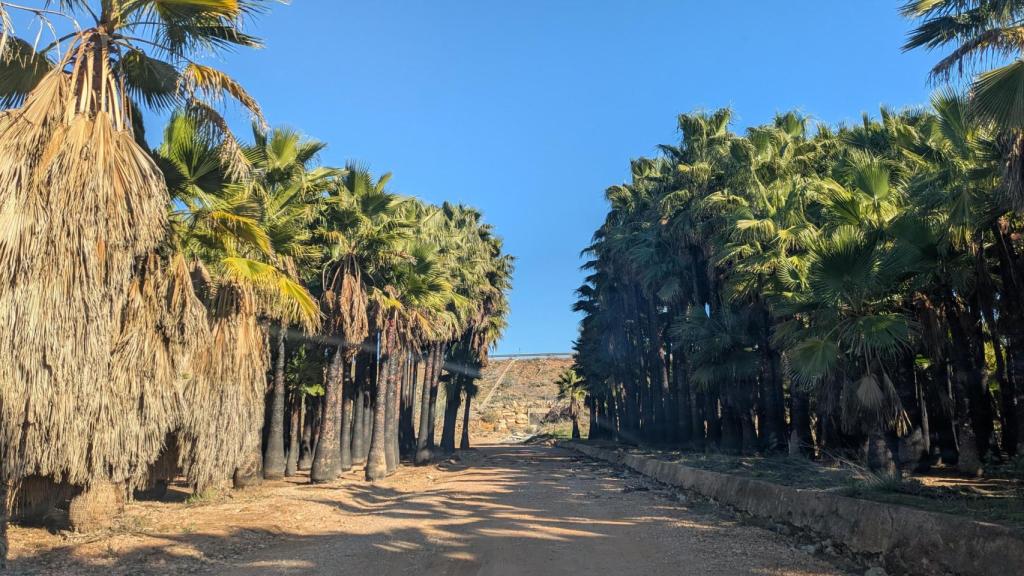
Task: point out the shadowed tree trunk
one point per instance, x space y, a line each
453 398
5 514
370 397
359 417
306 440
968 379
273 459
423 454
684 425
435 383
325 462
393 373
406 429
698 406
574 414
802 441
464 442
294 431
348 400
376 463
361 399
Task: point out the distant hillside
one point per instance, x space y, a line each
525 393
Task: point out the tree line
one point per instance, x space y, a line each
212 308
852 290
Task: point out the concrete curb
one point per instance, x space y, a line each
909 540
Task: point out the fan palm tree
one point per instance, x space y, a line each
363 229
246 238
96 211
287 191
979 32
572 390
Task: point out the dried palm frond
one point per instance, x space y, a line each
80 203
226 391
345 303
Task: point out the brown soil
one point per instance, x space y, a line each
498 510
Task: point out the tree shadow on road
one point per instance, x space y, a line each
506 509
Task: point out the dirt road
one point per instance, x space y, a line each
502 510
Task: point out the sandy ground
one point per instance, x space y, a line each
499 510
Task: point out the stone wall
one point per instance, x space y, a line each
909 541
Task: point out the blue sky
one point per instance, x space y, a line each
530 109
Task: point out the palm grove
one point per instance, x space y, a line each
855 291
213 308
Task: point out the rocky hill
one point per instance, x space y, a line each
516 394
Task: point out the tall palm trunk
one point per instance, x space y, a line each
360 440
966 377
453 398
658 369
365 362
5 514
306 439
394 374
325 462
802 440
376 462
574 414
1011 324
464 442
435 384
274 459
406 430
348 400
294 431
684 424
423 454
370 396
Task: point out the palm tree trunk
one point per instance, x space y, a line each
5 514
406 424
274 459
391 452
294 431
1011 324
453 399
683 416
365 362
574 413
376 463
368 418
464 442
325 462
802 440
435 383
306 441
360 440
348 399
698 407
660 389
772 394
423 454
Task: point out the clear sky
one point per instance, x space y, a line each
529 109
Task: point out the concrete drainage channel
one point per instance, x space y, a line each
907 540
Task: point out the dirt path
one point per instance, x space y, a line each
502 510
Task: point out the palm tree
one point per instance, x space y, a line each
97 213
363 229
286 193
571 390
979 31
244 238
